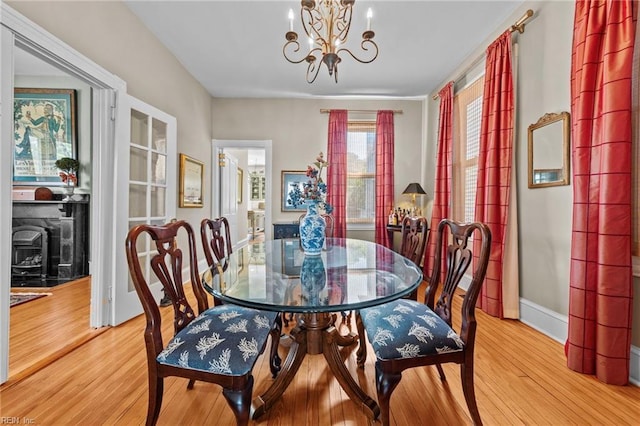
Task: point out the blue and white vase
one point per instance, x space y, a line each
313 278
312 230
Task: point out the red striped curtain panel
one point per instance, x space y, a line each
384 174
601 282
337 170
494 166
442 185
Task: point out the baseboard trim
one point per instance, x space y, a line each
554 325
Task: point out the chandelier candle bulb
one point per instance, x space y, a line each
290 19
369 16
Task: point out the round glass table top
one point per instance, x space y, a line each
349 274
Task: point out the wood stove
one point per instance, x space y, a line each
30 252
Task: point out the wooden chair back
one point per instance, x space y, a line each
166 262
459 238
216 241
414 238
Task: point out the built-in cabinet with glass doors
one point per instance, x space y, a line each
256 180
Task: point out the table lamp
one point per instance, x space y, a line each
414 189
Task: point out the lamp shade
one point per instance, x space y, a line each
414 188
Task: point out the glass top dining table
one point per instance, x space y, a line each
349 274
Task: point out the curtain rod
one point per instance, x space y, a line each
518 26
395 111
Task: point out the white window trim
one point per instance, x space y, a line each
361 227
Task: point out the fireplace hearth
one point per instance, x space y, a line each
49 242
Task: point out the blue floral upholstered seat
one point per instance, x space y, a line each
226 339
406 334
405 328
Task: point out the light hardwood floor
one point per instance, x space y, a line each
48 328
521 378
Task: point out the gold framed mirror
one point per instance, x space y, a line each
549 151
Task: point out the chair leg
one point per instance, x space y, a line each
466 374
441 372
156 387
274 359
191 383
385 385
361 354
240 402
285 319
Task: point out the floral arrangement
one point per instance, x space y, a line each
314 188
69 168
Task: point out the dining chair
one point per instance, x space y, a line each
215 235
414 242
406 333
218 345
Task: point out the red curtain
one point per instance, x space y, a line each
601 283
442 186
337 170
384 174
494 165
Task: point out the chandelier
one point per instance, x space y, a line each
326 24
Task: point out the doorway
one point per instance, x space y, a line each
61 231
254 187
107 128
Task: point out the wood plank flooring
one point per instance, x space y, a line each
47 328
521 379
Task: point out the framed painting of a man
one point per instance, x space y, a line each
44 131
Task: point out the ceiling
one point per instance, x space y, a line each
234 48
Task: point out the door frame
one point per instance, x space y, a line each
267 145
109 189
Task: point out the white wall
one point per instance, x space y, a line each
299 131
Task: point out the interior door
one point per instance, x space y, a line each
6 149
152 193
229 191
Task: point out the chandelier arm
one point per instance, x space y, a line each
309 25
343 24
313 68
363 46
296 49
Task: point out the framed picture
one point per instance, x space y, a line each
44 131
240 186
191 180
292 177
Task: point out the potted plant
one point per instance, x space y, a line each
68 172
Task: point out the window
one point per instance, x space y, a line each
467 118
361 172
